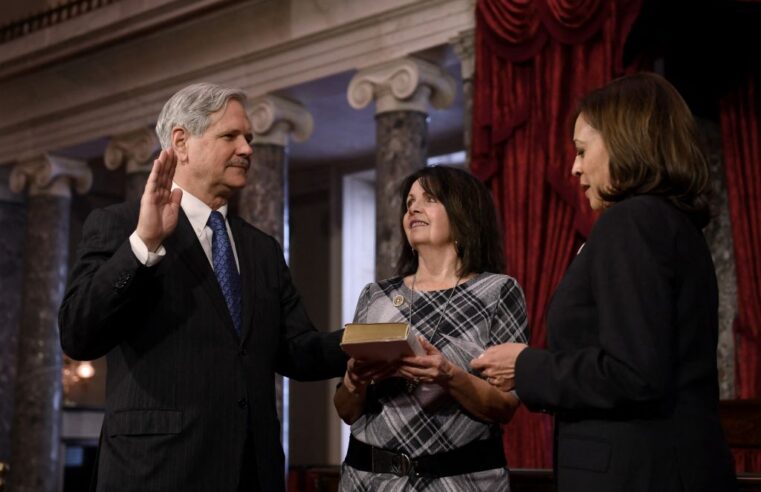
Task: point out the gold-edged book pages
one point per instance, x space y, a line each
380 341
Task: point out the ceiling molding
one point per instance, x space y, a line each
95 29
102 94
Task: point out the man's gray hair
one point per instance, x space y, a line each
190 108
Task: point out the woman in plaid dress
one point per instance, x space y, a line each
430 422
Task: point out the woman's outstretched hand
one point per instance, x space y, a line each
497 364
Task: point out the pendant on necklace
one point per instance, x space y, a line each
398 300
412 385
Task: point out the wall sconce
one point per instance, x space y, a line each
74 373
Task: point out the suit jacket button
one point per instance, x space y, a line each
242 403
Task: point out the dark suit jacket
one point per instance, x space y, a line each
182 389
630 373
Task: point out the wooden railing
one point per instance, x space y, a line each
49 17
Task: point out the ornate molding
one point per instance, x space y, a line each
406 84
255 56
274 118
134 150
464 47
62 31
51 175
6 195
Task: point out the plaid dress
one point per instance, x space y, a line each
488 309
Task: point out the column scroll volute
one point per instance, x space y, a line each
133 150
51 175
464 47
274 119
407 84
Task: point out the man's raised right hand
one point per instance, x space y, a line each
159 206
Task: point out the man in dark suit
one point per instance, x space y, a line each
195 311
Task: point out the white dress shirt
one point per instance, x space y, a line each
198 215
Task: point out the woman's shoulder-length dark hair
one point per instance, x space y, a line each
653 143
472 219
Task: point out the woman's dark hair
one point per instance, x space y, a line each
653 142
472 220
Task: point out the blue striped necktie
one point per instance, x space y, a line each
223 260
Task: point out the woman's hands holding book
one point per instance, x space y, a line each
432 367
359 374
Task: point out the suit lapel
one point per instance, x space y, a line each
247 265
188 248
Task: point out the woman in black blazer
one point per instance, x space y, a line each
630 372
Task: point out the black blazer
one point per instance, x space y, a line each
182 388
630 373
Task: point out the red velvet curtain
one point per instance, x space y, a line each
741 139
534 59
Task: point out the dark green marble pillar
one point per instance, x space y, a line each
719 237
400 149
262 201
36 437
37 419
12 223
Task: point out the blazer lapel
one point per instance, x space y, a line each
188 248
247 265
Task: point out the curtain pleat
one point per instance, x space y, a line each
534 59
740 112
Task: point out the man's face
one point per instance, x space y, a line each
215 163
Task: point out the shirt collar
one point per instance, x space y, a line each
196 210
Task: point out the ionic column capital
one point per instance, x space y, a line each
6 194
51 175
406 84
464 47
274 119
133 150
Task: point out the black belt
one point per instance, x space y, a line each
473 457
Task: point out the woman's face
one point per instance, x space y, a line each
592 163
426 222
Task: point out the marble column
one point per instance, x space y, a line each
12 223
36 434
463 45
402 90
719 237
133 150
263 201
